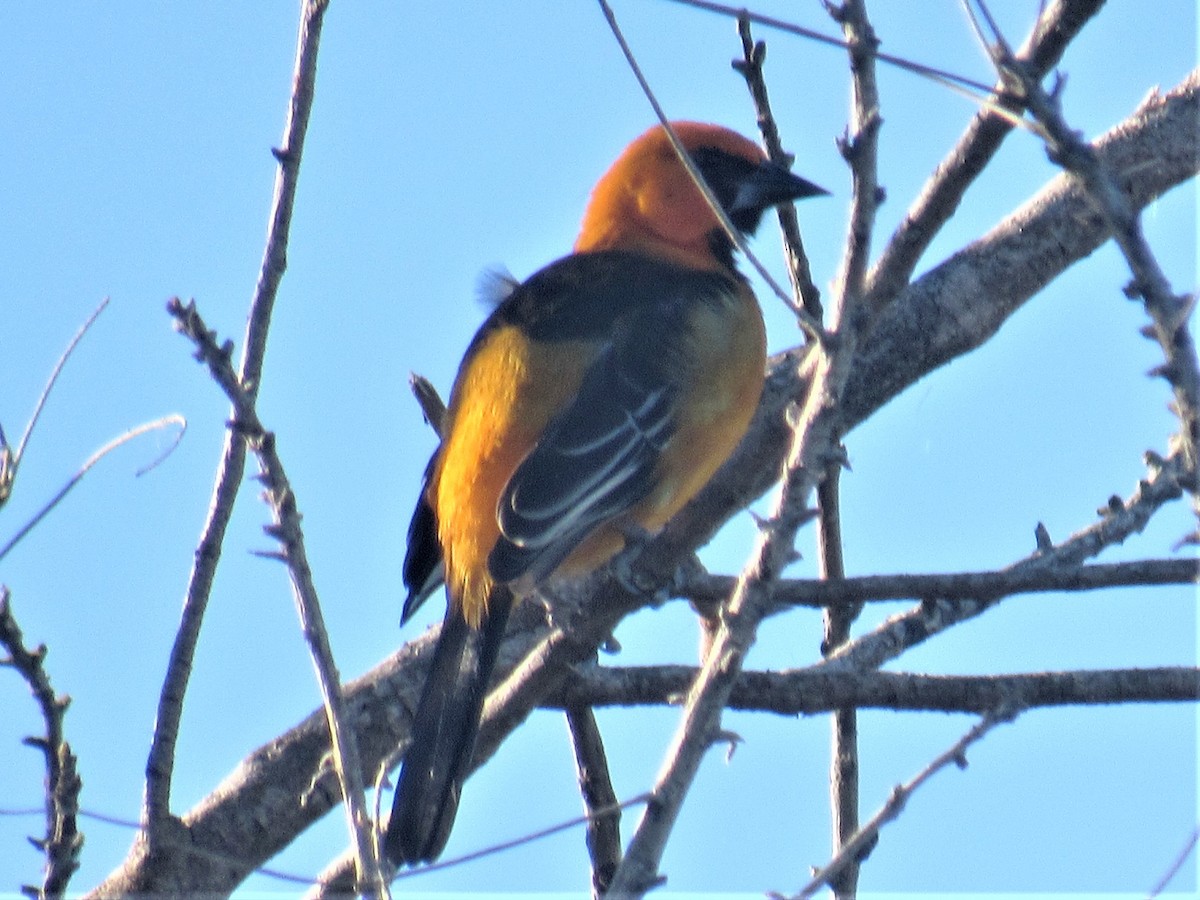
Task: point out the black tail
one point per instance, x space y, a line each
443 734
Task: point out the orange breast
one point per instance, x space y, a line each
503 400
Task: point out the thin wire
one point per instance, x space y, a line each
940 75
527 838
807 323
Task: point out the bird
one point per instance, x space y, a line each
596 399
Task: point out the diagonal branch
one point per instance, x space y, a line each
1119 521
1169 312
1059 24
156 808
862 842
287 531
750 67
816 434
707 591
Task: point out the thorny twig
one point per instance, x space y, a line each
1169 312
156 808
815 433
62 842
286 529
861 843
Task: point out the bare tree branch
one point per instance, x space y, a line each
10 460
959 304
156 813
709 590
160 765
599 798
816 432
1119 521
843 749
862 842
62 841
1058 25
1169 311
287 531
812 690
943 314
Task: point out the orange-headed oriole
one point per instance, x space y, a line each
597 398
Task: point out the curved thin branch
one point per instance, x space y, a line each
120 440
10 460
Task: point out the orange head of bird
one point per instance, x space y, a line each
648 202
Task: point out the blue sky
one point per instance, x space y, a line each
449 138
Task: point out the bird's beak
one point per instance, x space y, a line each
769 184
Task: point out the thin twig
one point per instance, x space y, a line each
866 838
750 66
815 434
286 529
843 751
599 797
145 428
951 80
515 842
62 841
706 591
12 460
160 764
860 149
1176 865
811 326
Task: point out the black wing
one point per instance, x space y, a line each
595 460
423 570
